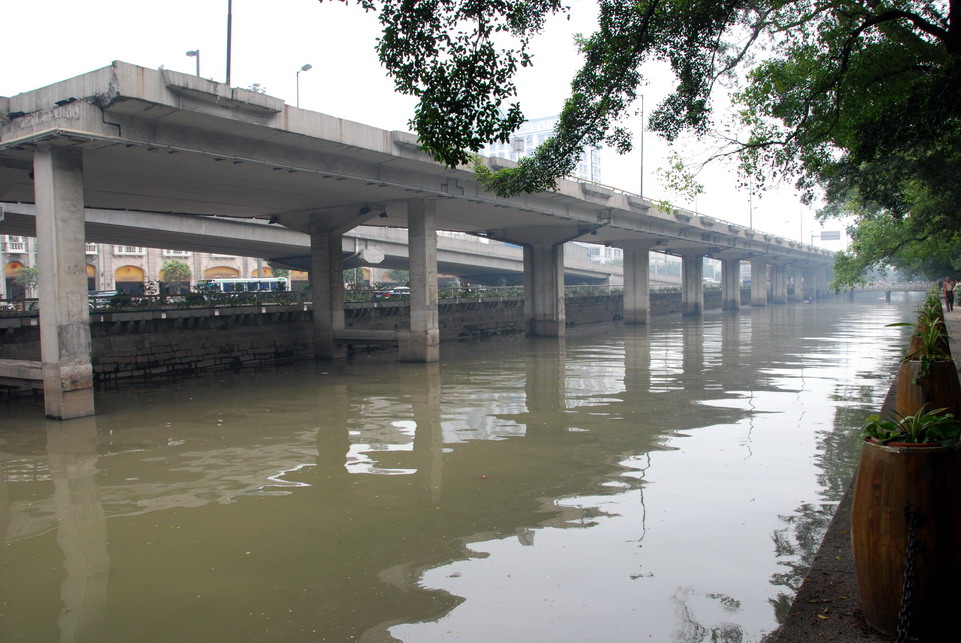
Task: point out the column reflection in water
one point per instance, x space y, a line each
637 359
333 439
424 390
82 527
692 355
545 390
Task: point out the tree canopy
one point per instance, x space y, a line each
175 273
856 101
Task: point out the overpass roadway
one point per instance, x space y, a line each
131 139
162 141
474 259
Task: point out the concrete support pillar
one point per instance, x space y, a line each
758 282
64 312
808 289
730 284
544 289
422 342
778 284
637 283
327 288
692 284
823 277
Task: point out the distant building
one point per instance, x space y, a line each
534 132
128 269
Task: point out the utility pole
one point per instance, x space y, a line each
642 146
230 14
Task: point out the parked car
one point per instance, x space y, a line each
100 298
398 292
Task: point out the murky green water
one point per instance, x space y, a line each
666 483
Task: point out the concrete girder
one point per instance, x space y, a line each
340 219
539 235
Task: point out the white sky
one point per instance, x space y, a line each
49 40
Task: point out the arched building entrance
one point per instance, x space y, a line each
13 289
221 272
129 280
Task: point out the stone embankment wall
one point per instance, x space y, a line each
167 342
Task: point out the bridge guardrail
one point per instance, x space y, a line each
130 303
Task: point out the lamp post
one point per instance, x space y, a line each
643 127
307 67
230 18
195 53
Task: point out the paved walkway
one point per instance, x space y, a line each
827 607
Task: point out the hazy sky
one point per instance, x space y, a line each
49 40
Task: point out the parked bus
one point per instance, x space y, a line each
252 284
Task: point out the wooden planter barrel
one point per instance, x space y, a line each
938 389
892 484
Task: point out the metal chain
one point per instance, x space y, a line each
907 589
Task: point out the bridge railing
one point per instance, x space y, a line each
18 305
122 302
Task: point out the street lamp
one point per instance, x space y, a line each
304 68
195 53
230 18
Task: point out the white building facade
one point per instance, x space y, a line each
534 132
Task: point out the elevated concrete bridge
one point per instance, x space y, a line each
474 259
127 138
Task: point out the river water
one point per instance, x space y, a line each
663 483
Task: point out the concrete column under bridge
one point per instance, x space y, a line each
637 281
422 342
543 272
778 283
327 228
544 289
692 284
730 284
808 290
65 319
758 282
327 286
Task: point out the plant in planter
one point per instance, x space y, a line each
924 427
928 377
905 518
